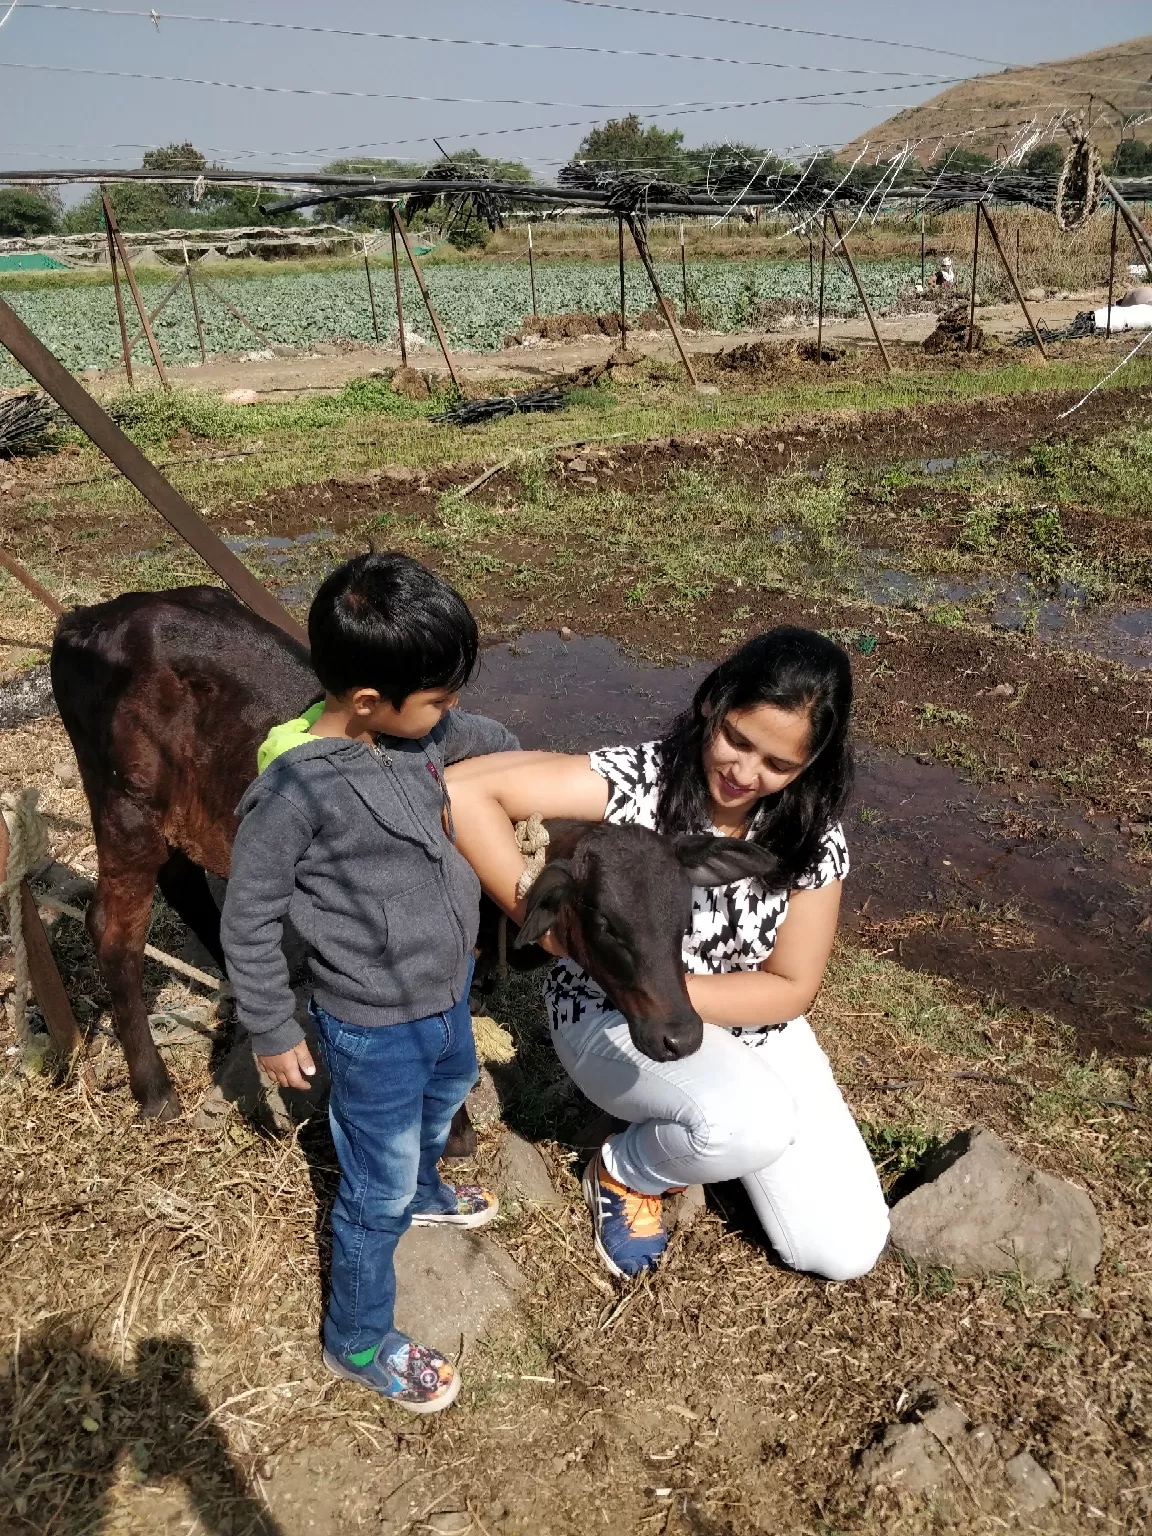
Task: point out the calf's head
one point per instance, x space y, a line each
620 901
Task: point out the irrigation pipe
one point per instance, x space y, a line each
1147 336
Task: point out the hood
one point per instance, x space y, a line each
292 733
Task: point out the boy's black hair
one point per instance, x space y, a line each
384 621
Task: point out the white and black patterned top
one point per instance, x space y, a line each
734 927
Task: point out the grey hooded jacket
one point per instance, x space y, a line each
346 840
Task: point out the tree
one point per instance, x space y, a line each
715 162
1044 160
621 145
960 162
24 213
1132 158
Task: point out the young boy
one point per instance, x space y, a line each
348 831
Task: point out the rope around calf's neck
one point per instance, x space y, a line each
532 841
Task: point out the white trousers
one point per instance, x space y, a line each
762 1108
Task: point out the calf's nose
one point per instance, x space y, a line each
681 1040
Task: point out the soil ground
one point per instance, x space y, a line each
164 1282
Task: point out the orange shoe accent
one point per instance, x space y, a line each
643 1213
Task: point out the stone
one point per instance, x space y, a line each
451 1285
484 1100
240 397
1030 1486
67 773
983 1210
1035 295
522 1174
1001 691
565 633
681 1211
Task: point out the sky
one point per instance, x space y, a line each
75 108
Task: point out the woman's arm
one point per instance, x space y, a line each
785 985
489 794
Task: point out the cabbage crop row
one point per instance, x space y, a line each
479 304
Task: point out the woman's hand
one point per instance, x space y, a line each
490 794
788 981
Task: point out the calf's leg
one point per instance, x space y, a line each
118 922
184 887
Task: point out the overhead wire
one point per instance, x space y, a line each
156 17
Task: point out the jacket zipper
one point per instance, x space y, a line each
385 758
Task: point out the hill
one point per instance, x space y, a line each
993 113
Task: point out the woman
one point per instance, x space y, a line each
762 754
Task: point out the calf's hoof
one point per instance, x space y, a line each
164 1107
462 1136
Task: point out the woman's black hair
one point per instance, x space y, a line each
384 621
793 669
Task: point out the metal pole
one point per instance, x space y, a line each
811 269
1135 229
623 305
169 293
532 272
428 304
371 294
641 242
119 305
110 219
235 313
972 296
1112 271
49 373
195 307
820 308
1011 278
843 244
1017 253
42 971
683 269
396 278
923 270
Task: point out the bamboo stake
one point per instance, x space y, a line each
623 305
1000 251
683 269
1112 271
923 270
843 244
119 306
811 269
195 307
532 273
26 579
641 242
820 309
371 293
396 279
110 218
428 304
972 295
42 970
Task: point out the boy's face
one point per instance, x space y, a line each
420 712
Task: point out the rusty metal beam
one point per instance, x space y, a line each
114 231
49 373
42 970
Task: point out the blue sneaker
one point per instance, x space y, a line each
629 1228
406 1373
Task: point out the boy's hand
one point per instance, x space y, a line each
290 1069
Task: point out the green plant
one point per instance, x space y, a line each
938 714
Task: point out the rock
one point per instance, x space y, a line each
451 1284
707 389
1031 1487
1001 691
484 1100
398 474
412 385
240 397
984 1211
1139 295
681 1211
565 633
1035 295
67 773
522 1174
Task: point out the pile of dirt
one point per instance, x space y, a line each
411 384
568 327
951 334
764 359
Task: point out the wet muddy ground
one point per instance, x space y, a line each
1044 908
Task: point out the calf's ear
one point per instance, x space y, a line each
722 860
553 887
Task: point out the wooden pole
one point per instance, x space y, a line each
1017 253
195 307
26 579
843 244
820 307
169 292
92 419
923 269
110 218
42 970
428 304
396 279
1003 255
623 304
532 272
1135 228
1112 271
641 242
235 313
683 269
811 269
972 296
371 293
119 306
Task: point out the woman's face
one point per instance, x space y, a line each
756 752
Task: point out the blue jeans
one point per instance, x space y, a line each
394 1091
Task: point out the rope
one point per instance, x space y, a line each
1147 336
532 841
28 850
1078 190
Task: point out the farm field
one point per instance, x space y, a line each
988 564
